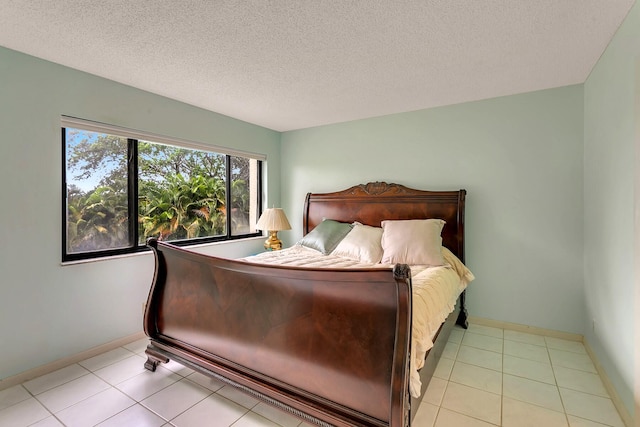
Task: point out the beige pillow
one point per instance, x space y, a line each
363 243
413 242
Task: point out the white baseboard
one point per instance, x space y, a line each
64 362
615 398
627 419
528 329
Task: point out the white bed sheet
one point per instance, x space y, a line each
435 291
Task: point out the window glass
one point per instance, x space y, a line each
97 192
181 193
244 195
120 191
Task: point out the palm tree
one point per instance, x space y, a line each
179 208
97 220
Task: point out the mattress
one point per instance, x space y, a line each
435 292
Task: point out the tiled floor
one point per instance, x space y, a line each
486 377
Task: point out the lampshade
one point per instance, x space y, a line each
273 219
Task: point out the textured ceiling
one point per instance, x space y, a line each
300 63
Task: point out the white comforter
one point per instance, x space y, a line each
435 291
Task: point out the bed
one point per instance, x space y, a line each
332 346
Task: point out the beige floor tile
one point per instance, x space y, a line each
526 351
106 359
528 369
524 337
251 419
175 399
567 359
443 368
537 393
147 383
590 407
426 415
13 395
75 391
217 410
477 377
484 342
134 416
456 335
450 350
473 402
521 414
48 422
23 413
276 415
138 346
95 409
447 418
54 379
486 330
205 381
238 396
581 422
435 391
179 369
565 345
580 381
122 370
478 357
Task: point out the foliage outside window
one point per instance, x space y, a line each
120 191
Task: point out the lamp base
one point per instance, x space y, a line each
273 243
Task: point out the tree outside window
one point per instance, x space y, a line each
122 191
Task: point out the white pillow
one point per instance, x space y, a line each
363 243
413 242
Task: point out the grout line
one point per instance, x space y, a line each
555 379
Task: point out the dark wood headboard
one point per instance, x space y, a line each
374 202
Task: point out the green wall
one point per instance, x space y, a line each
49 311
610 121
519 158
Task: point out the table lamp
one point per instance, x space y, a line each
273 220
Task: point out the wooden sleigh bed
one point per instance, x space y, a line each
329 346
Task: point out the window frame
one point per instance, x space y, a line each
133 137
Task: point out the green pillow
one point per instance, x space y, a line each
326 236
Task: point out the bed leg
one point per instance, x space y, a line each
153 359
463 316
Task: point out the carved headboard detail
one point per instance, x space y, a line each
374 202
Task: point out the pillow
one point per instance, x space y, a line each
363 243
326 236
413 242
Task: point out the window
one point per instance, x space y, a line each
123 187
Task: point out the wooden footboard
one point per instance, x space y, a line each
330 346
